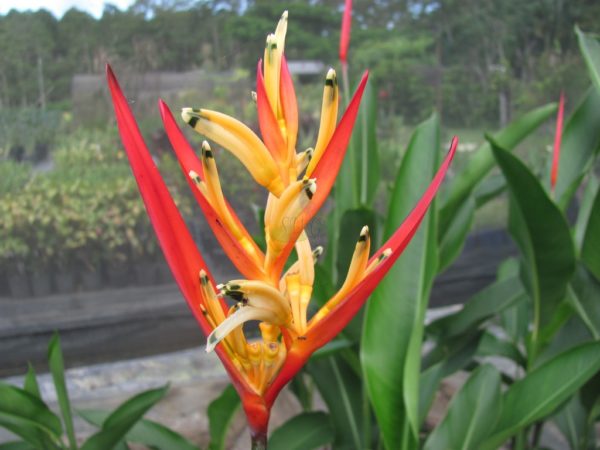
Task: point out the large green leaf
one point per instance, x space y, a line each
543 236
145 432
580 141
453 240
305 431
121 421
393 326
364 142
472 413
57 368
543 390
590 248
590 49
220 414
341 390
27 416
482 162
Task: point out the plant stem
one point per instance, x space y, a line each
259 442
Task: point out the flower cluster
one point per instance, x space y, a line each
298 183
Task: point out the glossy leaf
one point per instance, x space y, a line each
392 334
26 411
590 248
580 141
543 236
453 240
590 49
305 431
482 162
492 345
122 420
364 148
543 390
341 391
472 413
145 432
221 412
57 368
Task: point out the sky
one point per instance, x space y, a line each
59 7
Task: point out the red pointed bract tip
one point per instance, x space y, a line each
345 32
181 253
557 141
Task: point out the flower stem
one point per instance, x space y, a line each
259 442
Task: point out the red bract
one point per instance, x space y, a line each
345 32
557 141
259 369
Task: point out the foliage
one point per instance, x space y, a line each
24 413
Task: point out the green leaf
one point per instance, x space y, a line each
145 432
393 326
455 236
585 209
585 297
305 431
30 383
472 413
543 390
482 162
590 248
57 367
341 389
364 142
543 236
121 421
590 49
482 306
220 414
25 414
580 141
492 345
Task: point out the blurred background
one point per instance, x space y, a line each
77 252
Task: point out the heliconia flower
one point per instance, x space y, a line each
298 183
345 32
557 141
